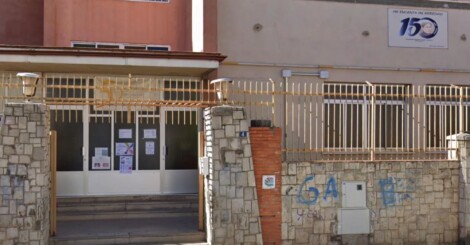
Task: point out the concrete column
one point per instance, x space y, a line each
464 188
24 175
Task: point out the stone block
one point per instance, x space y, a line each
5 221
41 132
222 110
246 164
224 176
238 115
22 122
34 235
237 205
229 131
247 150
251 179
219 133
226 120
7 140
4 180
241 179
230 157
27 149
254 228
239 234
22 170
12 233
14 132
244 125
32 127
3 163
38 153
21 210
23 236
18 193
18 111
248 193
235 144
24 159
216 123
35 117
4 210
29 198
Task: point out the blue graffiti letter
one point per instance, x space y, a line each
388 191
331 189
308 200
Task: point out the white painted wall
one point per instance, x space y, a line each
198 25
327 36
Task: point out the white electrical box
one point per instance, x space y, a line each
354 217
354 194
204 166
353 221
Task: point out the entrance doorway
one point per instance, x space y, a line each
125 151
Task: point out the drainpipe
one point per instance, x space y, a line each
286 74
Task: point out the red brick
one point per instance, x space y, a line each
266 151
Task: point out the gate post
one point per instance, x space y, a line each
463 147
24 174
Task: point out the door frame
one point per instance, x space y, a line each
187 179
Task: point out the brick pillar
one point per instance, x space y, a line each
267 161
464 186
24 175
232 213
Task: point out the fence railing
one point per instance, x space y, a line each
320 121
365 121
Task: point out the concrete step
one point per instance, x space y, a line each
183 238
107 215
127 199
128 207
163 230
124 206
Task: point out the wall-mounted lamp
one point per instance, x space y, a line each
29 82
221 86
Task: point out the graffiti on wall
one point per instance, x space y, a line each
309 195
309 213
396 190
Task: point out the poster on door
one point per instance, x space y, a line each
125 164
149 148
101 163
124 149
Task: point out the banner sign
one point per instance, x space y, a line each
417 28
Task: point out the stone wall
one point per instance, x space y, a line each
232 213
408 202
24 175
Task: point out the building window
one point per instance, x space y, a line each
344 115
121 46
348 115
442 115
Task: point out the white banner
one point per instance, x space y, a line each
417 28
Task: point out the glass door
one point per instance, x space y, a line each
179 158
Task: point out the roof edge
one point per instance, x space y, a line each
123 53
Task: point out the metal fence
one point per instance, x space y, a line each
367 122
321 121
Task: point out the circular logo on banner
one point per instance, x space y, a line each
424 27
429 28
